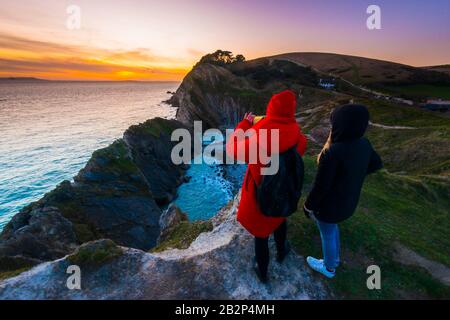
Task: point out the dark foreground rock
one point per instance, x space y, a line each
217 265
118 195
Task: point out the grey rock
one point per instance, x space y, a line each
217 265
210 106
40 234
169 219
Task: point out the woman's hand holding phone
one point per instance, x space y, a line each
249 116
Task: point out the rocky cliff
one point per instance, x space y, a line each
119 195
220 95
215 266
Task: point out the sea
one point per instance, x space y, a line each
49 130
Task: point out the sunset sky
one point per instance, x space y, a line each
161 40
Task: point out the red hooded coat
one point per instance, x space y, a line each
280 115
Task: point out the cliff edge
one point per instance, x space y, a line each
120 195
215 266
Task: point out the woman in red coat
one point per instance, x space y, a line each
280 115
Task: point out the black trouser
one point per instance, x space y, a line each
262 247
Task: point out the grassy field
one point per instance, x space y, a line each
424 149
393 209
407 203
400 115
419 91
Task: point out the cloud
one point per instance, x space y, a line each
31 57
24 44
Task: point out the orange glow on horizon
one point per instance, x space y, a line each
65 65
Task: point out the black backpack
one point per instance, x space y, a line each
278 194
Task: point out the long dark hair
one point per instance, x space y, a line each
325 147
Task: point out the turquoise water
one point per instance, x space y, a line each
210 188
48 132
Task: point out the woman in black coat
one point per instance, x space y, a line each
344 162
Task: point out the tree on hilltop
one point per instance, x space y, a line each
221 58
240 58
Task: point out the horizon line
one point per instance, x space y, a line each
79 80
31 78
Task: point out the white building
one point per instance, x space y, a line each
327 84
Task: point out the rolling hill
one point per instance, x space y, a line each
443 68
392 78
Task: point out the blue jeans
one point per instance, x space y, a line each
329 233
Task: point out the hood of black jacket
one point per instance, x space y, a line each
349 122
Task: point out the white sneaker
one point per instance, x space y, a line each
319 266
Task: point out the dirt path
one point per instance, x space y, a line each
378 125
407 256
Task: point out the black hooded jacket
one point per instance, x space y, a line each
343 166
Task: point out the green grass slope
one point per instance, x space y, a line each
418 92
424 149
393 209
407 203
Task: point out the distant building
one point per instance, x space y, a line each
327 83
437 105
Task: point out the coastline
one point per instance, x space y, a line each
50 130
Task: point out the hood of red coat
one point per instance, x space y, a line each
281 115
282 106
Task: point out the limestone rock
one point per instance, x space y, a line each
217 265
